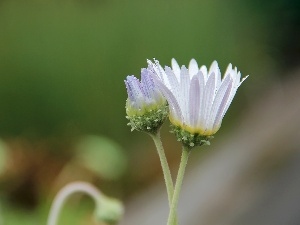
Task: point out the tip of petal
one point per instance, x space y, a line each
214 63
174 64
203 70
150 63
193 67
183 67
228 70
244 79
229 66
214 68
144 70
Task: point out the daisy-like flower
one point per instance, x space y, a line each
146 107
198 98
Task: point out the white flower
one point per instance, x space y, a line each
146 107
198 98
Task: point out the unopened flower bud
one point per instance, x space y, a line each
146 107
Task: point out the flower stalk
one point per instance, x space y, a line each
164 165
173 210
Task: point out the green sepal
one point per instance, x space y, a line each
150 121
188 139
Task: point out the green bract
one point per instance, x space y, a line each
188 139
150 120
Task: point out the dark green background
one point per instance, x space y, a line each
62 66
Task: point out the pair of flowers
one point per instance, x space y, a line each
196 99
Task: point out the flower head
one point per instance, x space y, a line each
146 107
198 98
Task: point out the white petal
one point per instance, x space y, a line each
174 83
239 76
175 111
203 69
220 101
243 80
184 92
160 72
163 74
201 80
236 83
228 70
214 68
194 102
220 113
207 101
176 68
193 67
153 67
201 89
235 77
232 94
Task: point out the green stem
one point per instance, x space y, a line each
173 211
164 165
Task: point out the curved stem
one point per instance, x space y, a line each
173 210
68 190
164 165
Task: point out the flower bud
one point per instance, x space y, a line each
146 107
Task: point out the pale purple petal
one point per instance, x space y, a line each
129 91
134 88
147 83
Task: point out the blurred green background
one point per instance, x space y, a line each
62 95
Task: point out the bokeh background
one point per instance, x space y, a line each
62 116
